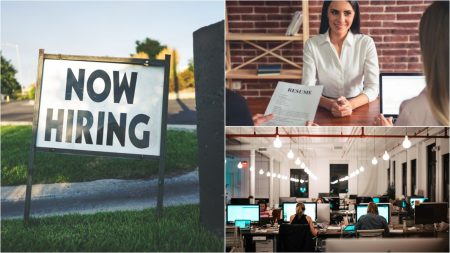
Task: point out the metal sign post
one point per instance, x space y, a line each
101 106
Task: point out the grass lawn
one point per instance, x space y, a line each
178 230
181 156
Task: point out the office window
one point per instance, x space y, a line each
300 189
413 176
445 177
431 172
338 171
393 176
404 176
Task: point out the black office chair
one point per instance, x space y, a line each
295 238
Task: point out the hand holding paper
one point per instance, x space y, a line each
293 104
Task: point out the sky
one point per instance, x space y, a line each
105 28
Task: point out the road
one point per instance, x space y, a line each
98 196
180 111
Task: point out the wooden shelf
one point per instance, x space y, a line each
262 37
294 74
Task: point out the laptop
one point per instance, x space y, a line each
243 224
396 88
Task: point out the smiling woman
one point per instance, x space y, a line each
341 59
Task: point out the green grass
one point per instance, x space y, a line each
178 230
181 156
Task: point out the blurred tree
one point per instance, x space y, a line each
191 65
150 47
173 77
10 86
140 55
32 91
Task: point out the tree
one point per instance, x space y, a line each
150 47
173 76
9 84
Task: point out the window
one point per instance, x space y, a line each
404 177
445 163
431 172
393 176
338 171
300 189
413 176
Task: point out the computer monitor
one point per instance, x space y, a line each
323 213
360 200
323 194
429 213
287 199
376 200
240 201
413 200
352 196
242 212
242 224
334 204
289 208
403 85
383 210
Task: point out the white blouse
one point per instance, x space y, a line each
416 112
355 72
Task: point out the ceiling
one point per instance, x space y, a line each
325 146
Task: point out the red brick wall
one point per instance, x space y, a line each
393 24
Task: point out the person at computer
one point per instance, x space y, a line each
263 212
300 218
341 59
431 106
372 220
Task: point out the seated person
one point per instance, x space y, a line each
300 218
372 220
238 114
263 212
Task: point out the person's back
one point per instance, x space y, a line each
300 219
372 221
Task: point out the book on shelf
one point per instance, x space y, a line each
295 24
268 70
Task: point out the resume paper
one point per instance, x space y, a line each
293 104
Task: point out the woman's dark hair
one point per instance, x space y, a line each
324 22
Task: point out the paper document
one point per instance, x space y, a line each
293 104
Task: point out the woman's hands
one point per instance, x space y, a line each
380 120
341 107
259 118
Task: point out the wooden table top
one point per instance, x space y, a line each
362 116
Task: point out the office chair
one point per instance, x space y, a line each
370 233
234 241
295 238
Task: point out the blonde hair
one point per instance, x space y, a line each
299 208
372 208
434 41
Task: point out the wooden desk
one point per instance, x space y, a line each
362 116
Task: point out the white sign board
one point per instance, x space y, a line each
101 107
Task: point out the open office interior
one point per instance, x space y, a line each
336 172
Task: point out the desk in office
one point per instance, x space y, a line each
362 116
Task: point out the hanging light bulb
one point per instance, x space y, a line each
277 142
239 165
385 155
268 174
298 161
303 165
290 154
361 168
357 172
374 161
279 176
406 142
261 171
252 168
